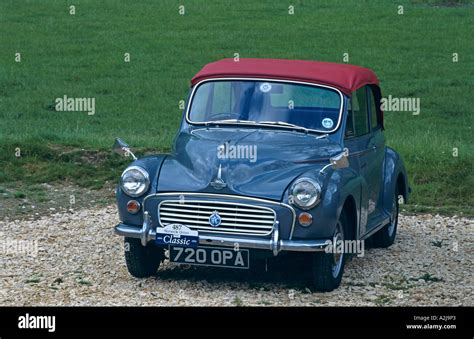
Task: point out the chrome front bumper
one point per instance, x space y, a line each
146 233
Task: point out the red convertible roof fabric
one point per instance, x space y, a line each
347 78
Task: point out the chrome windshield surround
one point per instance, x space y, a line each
225 196
188 107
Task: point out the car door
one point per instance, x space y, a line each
364 156
375 158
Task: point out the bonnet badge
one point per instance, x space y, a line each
218 183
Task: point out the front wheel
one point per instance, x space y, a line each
142 261
328 268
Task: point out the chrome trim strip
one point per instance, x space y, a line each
145 232
229 241
303 245
276 238
227 196
263 244
125 230
269 80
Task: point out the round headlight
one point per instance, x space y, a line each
134 181
305 193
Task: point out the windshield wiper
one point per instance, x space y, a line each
282 123
230 121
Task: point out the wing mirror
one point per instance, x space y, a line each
122 148
340 160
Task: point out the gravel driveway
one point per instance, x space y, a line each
80 262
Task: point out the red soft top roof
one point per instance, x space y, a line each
347 78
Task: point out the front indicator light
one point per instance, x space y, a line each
133 206
305 219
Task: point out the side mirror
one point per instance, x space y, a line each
122 148
341 160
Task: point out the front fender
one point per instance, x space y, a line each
338 186
152 164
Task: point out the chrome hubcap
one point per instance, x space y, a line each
393 221
337 256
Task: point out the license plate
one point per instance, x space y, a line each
176 235
210 256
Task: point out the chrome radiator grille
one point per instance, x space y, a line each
236 218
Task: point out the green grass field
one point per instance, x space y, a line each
82 55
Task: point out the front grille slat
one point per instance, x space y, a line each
224 230
167 210
202 222
206 218
217 206
236 218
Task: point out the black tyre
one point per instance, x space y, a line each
142 261
386 236
328 268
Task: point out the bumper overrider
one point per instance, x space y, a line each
147 233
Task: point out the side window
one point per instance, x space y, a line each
350 121
359 112
373 110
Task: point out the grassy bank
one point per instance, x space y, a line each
82 55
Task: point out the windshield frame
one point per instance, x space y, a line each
207 123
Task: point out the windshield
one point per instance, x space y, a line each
270 103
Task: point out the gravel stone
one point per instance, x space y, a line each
79 261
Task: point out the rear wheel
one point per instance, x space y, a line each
328 268
142 261
386 236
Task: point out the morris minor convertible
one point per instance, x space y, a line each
271 157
